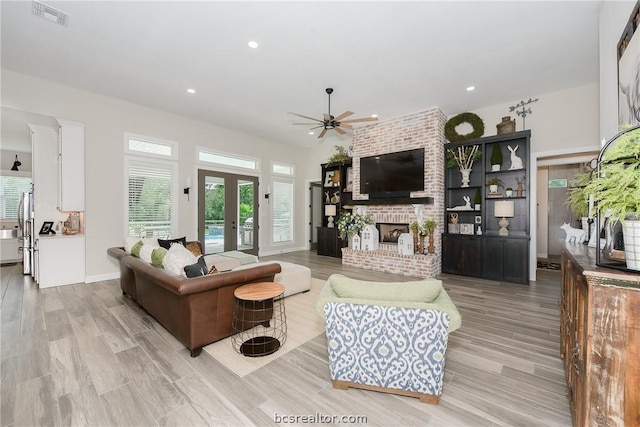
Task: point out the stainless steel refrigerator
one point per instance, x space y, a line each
25 223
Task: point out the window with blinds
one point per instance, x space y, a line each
151 193
282 228
11 188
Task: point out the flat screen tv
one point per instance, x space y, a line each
393 174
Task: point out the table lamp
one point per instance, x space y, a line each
330 211
504 209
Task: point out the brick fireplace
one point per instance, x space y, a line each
417 130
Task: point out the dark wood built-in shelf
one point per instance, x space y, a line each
396 201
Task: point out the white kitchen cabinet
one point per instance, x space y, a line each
60 260
71 169
45 186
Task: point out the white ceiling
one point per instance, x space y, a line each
385 58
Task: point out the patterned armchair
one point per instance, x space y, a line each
390 349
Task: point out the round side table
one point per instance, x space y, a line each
259 319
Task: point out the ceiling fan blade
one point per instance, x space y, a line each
327 117
316 127
322 133
364 119
306 124
345 125
306 117
340 131
343 115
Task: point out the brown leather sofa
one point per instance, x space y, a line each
198 310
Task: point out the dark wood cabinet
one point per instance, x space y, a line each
506 259
470 201
462 255
337 192
329 244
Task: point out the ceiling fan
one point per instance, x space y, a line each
330 122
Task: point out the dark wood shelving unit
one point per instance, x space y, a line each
489 255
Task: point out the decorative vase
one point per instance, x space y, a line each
432 247
493 189
495 168
416 248
506 125
465 177
610 250
631 233
509 193
520 189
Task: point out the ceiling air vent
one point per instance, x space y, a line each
50 14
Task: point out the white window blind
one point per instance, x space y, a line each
282 230
11 188
151 195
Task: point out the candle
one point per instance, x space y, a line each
590 206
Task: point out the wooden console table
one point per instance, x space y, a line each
600 340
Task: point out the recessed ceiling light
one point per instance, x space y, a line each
253 44
191 90
374 115
311 132
470 88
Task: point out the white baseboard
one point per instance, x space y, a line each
101 277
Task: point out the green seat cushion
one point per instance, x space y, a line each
415 291
157 256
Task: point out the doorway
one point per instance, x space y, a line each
228 215
315 213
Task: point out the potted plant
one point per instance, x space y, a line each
493 184
616 189
339 157
463 157
508 191
350 224
430 226
477 200
578 200
496 158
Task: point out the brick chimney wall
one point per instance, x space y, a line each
424 129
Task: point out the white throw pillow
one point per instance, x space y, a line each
145 252
177 258
130 241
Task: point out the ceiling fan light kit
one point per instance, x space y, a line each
330 122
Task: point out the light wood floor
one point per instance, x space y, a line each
85 355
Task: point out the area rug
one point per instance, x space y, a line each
303 324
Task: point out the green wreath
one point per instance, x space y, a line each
473 119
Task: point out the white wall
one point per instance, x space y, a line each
613 18
106 120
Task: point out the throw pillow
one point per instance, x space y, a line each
198 269
135 249
157 256
194 247
145 252
213 270
419 291
168 242
177 258
129 242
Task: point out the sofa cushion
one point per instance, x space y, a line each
135 249
194 248
419 291
146 251
177 258
221 263
198 269
169 242
157 256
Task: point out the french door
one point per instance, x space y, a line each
227 212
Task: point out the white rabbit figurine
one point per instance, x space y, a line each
516 162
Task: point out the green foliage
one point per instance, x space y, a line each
473 119
414 226
430 225
578 200
339 157
214 203
617 187
463 157
351 223
496 155
495 181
